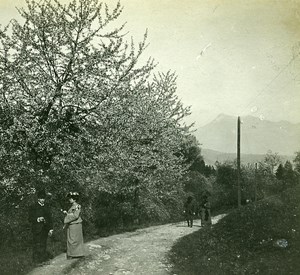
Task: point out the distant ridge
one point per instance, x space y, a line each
257 136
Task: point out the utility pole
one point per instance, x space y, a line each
255 183
239 160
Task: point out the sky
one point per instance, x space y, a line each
236 57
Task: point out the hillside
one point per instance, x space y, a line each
257 136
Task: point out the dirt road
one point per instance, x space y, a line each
142 252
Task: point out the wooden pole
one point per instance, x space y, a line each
255 183
239 160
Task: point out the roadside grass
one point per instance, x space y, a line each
245 241
17 259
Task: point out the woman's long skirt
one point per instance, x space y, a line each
75 246
205 217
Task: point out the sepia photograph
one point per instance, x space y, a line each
149 137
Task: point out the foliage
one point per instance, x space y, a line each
198 186
286 174
270 162
197 182
226 182
78 111
289 174
192 154
245 241
280 172
297 166
257 181
297 161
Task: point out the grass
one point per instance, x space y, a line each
17 259
245 241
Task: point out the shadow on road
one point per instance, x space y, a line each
181 225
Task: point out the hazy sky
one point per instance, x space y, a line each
233 57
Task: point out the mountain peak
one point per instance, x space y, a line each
257 135
222 117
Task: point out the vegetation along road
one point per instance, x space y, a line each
140 252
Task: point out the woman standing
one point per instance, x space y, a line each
73 223
205 212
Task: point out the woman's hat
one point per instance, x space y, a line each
73 195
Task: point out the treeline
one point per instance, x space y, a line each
258 180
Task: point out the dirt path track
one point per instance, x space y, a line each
142 252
